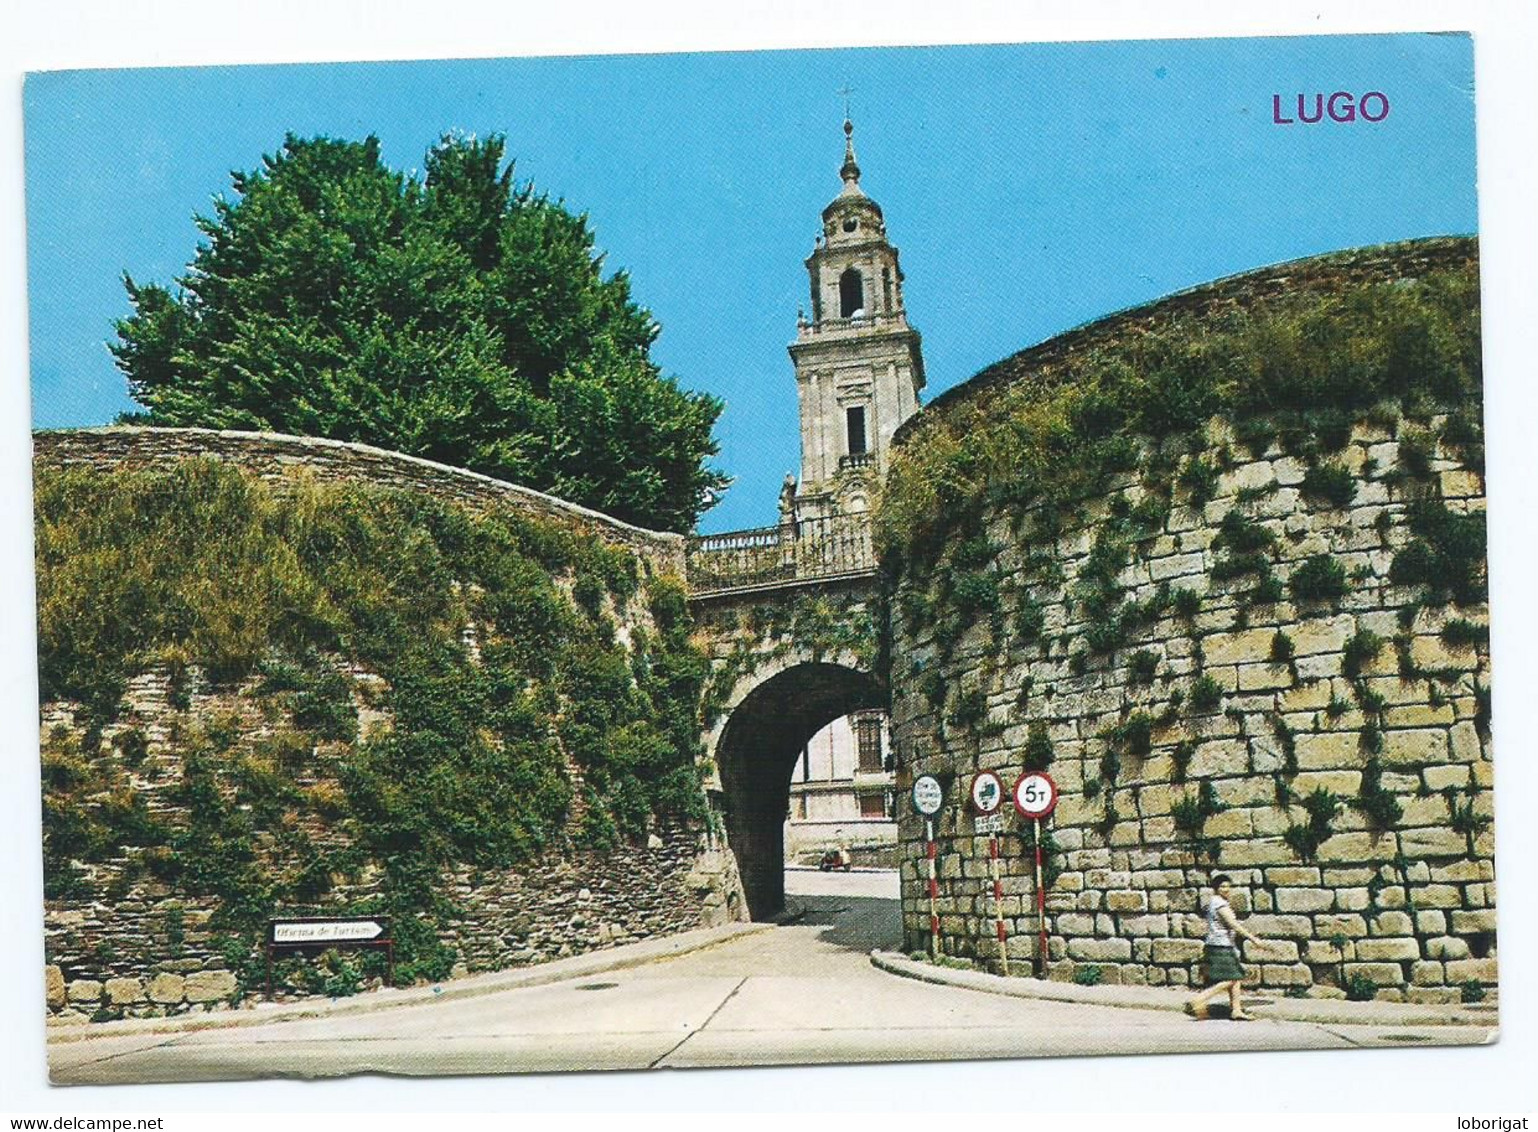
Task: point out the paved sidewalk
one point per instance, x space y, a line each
1328 1011
388 998
804 993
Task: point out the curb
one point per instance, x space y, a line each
1321 1010
387 998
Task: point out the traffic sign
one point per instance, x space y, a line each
927 795
1035 794
988 823
1035 797
987 792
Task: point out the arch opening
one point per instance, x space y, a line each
757 754
851 294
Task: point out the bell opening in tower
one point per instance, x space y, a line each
854 419
851 294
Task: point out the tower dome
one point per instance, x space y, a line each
852 217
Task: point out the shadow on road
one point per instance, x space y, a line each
858 923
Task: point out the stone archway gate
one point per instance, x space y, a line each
787 616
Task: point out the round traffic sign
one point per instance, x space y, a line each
927 795
987 792
1035 794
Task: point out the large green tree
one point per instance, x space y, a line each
457 315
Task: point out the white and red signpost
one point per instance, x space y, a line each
1035 797
928 797
987 798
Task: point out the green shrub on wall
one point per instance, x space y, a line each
1447 555
1206 694
1331 483
1320 578
1293 365
204 568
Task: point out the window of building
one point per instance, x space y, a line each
851 294
886 288
867 731
855 420
872 806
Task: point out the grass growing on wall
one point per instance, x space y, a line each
1290 365
207 573
1153 485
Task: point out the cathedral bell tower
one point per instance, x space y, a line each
858 363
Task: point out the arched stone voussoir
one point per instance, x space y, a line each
769 719
806 683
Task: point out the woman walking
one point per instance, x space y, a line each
1224 972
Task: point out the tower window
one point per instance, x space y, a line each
851 294
886 288
855 420
851 225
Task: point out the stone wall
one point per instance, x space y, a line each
1334 273
125 942
276 457
1191 746
135 947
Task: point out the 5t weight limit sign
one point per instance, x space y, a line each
1035 794
1035 797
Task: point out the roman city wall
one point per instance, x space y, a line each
288 676
1217 566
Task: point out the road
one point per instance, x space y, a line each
801 993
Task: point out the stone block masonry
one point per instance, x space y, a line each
127 939
1331 754
1254 644
119 957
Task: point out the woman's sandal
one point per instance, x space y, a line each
1242 1017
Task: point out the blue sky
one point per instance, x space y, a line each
1029 188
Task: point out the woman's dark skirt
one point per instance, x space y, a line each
1222 965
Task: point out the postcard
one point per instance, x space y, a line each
780 557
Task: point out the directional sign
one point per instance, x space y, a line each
326 931
927 795
312 935
1035 794
987 792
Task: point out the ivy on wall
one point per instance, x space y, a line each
819 625
1290 367
1105 439
505 683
